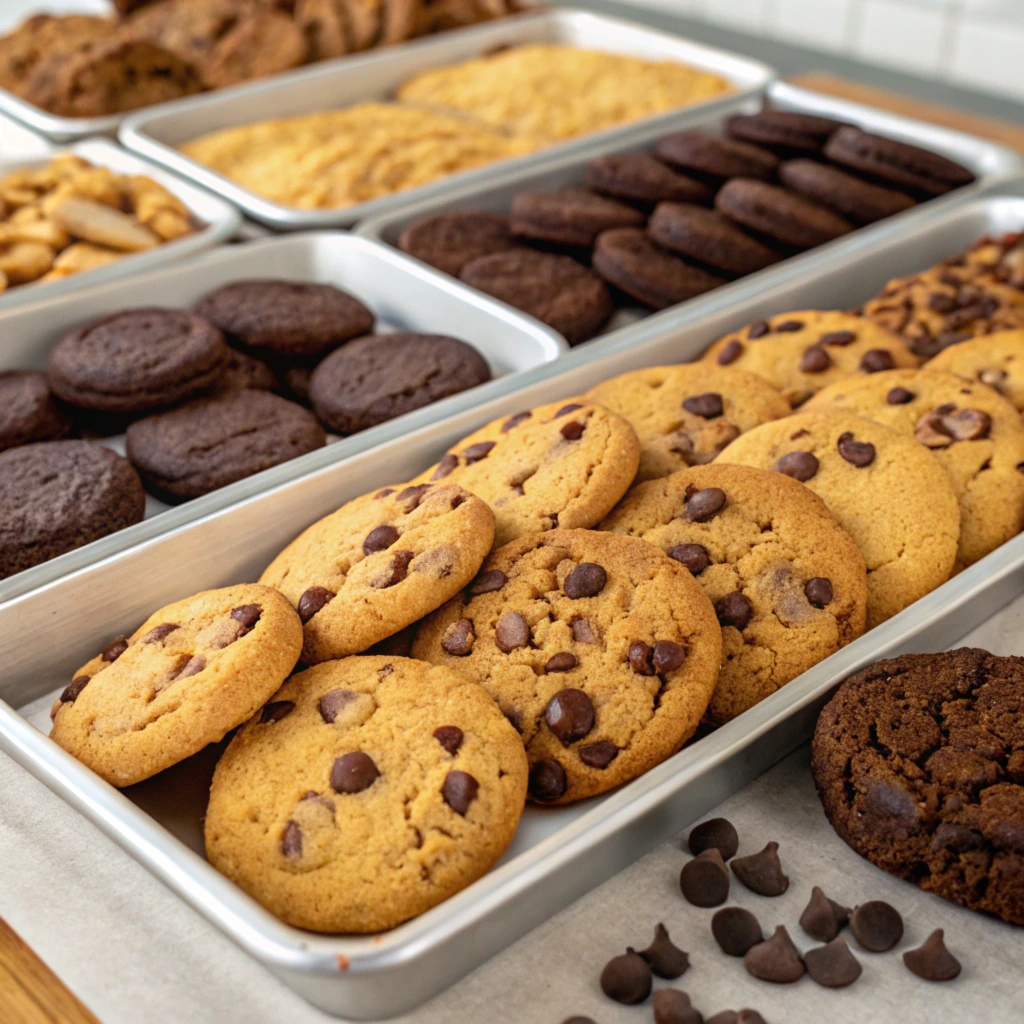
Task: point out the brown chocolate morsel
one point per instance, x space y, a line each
930 430
719 833
458 638
588 579
115 649
547 780
566 409
247 615
413 495
396 572
815 360
833 966
570 715
734 610
667 960
876 926
899 396
776 960
478 451
838 338
736 930
276 710
762 872
800 466
459 791
668 656
493 579
789 327
561 662
993 378
352 773
819 591
514 421
823 918
585 632
730 352
450 737
511 632
694 556
857 453
708 405
380 538
192 667
573 430
384 493
157 633
445 466
312 601
291 841
671 1006
702 505
931 960
968 424
639 656
577 1019
598 755
732 1017
334 701
74 688
875 360
704 881
758 330
627 978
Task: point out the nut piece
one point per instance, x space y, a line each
104 225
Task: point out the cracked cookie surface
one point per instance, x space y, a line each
919 764
380 563
788 584
317 811
888 492
601 650
192 671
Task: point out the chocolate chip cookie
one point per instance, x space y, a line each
885 490
559 465
602 651
995 359
919 763
686 414
801 353
27 410
975 434
787 583
317 812
450 240
190 673
640 178
569 216
380 563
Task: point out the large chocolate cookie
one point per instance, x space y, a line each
450 240
714 157
852 197
569 216
640 178
27 410
782 131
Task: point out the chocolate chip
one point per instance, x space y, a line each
380 538
818 591
573 430
762 872
735 930
899 396
758 330
396 572
588 579
717 833
74 688
352 773
561 662
671 1006
493 579
384 493
702 505
192 667
627 979
667 960
276 710
875 360
776 960
598 755
789 326
579 1020
115 649
931 431
734 610
730 352
570 715
547 780
815 360
585 632
704 881
833 966
942 303
639 656
157 633
668 656
450 737
732 1017
459 791
334 701
566 409
968 424
291 841
514 421
823 918
802 466
458 638
837 338
876 926
444 467
708 405
477 452
413 495
694 556
515 719
931 960
857 453
312 601
993 378
511 632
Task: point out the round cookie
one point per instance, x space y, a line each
995 359
285 318
686 414
999 259
555 289
28 412
787 583
137 360
602 651
366 792
189 674
559 465
569 216
379 563
782 130
800 353
450 240
58 495
715 157
974 433
853 198
885 490
208 444
919 764
242 372
640 178
376 378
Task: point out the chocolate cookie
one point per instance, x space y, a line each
628 259
569 216
640 178
57 496
27 410
286 319
555 289
708 237
919 763
242 371
382 376
449 241
258 43
715 157
995 359
782 131
853 198
137 360
199 447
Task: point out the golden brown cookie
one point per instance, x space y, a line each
560 465
975 434
366 792
190 673
885 490
788 584
602 651
379 563
994 359
686 414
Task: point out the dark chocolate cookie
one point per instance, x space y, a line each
287 319
27 410
783 131
715 157
59 495
708 237
242 371
382 376
555 289
569 216
137 360
854 198
628 259
779 214
640 178
449 241
919 763
211 443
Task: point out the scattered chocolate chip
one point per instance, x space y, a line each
876 926
702 505
734 610
573 430
931 960
800 466
157 633
397 570
776 960
789 327
857 453
192 667
968 424
993 378
587 580
735 930
598 755
570 715
334 701
639 656
931 431
380 538
899 396
732 1017
668 656
511 632
74 688
815 360
823 918
561 662
458 638
942 303
444 467
730 352
762 872
719 833
276 710
312 601
758 330
875 360
704 880
413 495
566 409
837 338
666 959
833 966
450 737
478 451
671 1006
585 632
384 493
115 649
352 773
515 719
819 591
694 556
514 421
291 841
708 405
547 780
627 978
459 791
493 579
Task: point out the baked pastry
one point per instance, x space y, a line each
714 157
450 240
782 131
569 216
853 198
28 412
640 178
994 359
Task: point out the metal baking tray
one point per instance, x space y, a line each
20 143
158 132
994 165
402 293
220 220
558 853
